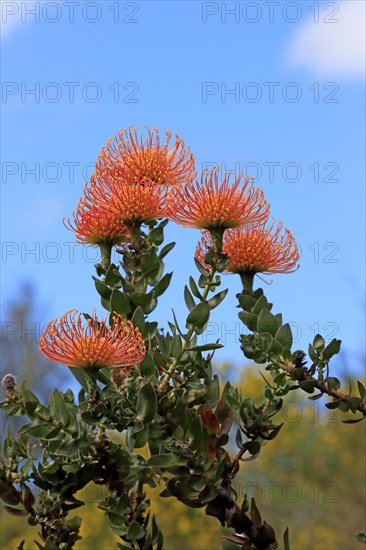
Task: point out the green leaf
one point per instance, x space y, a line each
113 277
284 336
79 374
354 403
156 236
333 383
361 390
261 303
194 288
217 299
246 301
249 320
115 518
333 404
135 531
103 290
148 367
165 459
307 385
205 347
319 342
267 322
166 249
254 514
286 540
332 348
267 341
69 448
61 409
162 285
313 355
120 303
138 319
190 303
175 348
163 346
195 433
199 315
146 404
201 268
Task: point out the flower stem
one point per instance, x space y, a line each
106 251
247 280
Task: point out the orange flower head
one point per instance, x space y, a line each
256 250
213 205
95 223
130 203
92 344
134 159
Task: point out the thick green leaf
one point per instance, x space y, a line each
254 514
194 288
201 268
60 408
135 531
313 355
361 390
267 322
146 404
165 250
120 303
205 347
333 383
199 315
286 540
284 336
307 385
162 285
165 460
175 348
138 319
148 367
332 348
103 290
249 319
190 303
319 342
195 433
163 346
113 277
217 299
156 236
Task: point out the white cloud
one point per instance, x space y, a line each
332 49
17 14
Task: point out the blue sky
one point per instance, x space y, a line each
273 89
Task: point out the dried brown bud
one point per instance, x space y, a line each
9 381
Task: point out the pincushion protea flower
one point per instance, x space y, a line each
130 203
131 159
95 223
134 174
213 205
256 250
92 344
